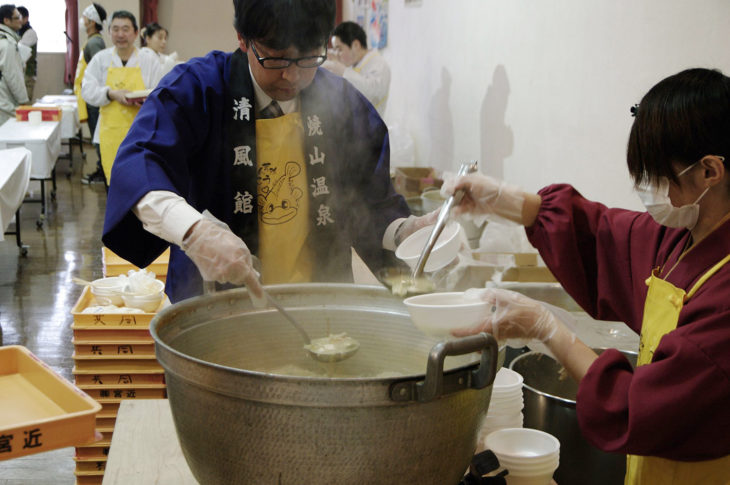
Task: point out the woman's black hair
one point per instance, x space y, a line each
149 30
680 120
279 24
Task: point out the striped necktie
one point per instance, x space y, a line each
273 110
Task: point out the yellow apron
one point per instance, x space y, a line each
283 200
116 118
358 69
80 69
663 303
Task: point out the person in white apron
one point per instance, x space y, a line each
110 77
663 272
364 68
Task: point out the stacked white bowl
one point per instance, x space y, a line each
531 456
505 407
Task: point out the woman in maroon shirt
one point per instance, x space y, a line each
662 272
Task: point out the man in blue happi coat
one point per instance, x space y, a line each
257 151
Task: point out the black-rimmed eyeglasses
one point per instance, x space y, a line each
284 62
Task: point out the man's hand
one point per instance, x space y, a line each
221 256
119 95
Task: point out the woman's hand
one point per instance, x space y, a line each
485 195
512 315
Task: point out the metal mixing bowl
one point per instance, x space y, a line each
250 406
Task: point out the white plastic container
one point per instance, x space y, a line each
437 314
444 251
108 291
530 455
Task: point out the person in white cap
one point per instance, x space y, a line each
92 22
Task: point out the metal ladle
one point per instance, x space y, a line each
315 348
443 217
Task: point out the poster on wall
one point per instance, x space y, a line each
372 15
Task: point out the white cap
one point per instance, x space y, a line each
91 14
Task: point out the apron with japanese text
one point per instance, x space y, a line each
663 303
283 204
116 118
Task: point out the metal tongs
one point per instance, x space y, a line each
443 217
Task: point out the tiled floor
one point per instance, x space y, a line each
36 294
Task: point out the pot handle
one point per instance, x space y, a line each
438 383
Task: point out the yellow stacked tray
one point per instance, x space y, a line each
41 411
114 359
114 265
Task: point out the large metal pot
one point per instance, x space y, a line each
550 406
378 419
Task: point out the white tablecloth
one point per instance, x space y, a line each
14 178
43 140
70 119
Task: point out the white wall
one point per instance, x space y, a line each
540 91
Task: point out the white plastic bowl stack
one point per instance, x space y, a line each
531 456
505 407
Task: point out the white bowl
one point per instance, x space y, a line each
108 291
524 445
146 302
443 252
437 314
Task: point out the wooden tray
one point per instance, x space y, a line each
121 381
108 321
41 411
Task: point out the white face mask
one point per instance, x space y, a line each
659 205
82 25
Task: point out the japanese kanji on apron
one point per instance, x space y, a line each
358 68
282 200
116 118
663 303
250 208
80 69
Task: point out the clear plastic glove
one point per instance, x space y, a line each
220 255
414 223
513 316
485 195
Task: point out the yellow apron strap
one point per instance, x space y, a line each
80 70
707 275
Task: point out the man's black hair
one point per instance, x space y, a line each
349 32
7 11
123 14
279 24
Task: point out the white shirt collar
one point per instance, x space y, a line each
263 99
